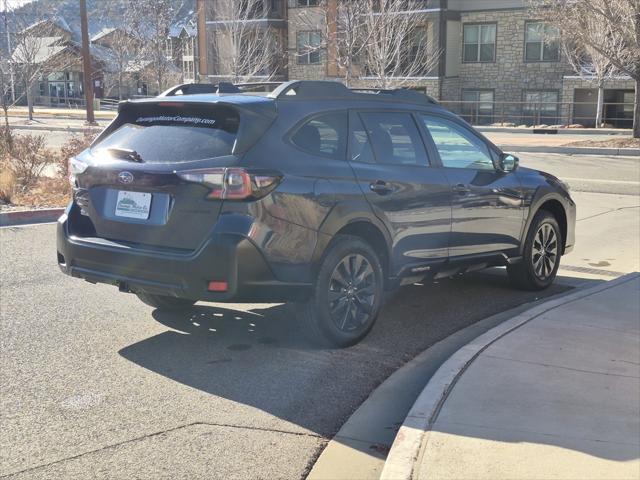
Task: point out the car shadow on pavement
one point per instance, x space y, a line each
261 358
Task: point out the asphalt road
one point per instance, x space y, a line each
97 384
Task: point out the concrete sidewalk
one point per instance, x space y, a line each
555 394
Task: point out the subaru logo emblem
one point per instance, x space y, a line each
125 177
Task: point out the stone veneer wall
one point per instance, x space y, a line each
305 19
509 76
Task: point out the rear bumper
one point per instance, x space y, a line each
224 257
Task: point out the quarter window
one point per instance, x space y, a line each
479 43
540 45
395 138
308 48
323 135
458 148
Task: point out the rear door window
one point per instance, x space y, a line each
323 135
173 135
395 138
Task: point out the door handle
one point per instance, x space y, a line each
461 189
380 187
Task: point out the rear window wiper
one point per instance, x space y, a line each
126 154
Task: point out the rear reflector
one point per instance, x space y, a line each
218 286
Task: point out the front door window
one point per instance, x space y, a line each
457 147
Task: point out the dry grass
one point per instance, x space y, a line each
46 192
616 142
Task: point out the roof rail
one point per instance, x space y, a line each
221 87
408 95
303 89
310 89
190 89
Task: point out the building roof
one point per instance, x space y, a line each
56 21
38 49
103 33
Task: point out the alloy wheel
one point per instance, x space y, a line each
544 253
352 292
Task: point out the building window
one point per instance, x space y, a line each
540 107
188 71
477 106
308 48
168 49
307 3
417 42
479 43
539 45
187 49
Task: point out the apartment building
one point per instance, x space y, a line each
497 64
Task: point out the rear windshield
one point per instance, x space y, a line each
173 134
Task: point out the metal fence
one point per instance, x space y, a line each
618 115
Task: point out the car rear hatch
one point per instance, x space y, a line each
139 183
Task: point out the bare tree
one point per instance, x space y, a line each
341 26
246 47
398 51
609 28
26 59
6 86
38 49
153 20
592 66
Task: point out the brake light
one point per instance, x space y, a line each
233 183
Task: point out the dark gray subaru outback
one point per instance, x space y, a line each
312 193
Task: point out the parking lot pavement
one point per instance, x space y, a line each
95 383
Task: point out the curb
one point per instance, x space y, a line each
408 443
24 217
45 128
554 131
633 152
79 115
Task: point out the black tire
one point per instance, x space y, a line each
163 302
343 307
541 256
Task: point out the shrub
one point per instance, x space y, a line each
7 182
27 159
6 141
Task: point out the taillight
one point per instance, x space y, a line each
233 183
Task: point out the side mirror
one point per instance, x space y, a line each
507 163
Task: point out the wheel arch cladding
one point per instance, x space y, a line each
555 208
371 235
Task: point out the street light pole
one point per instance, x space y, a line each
86 64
